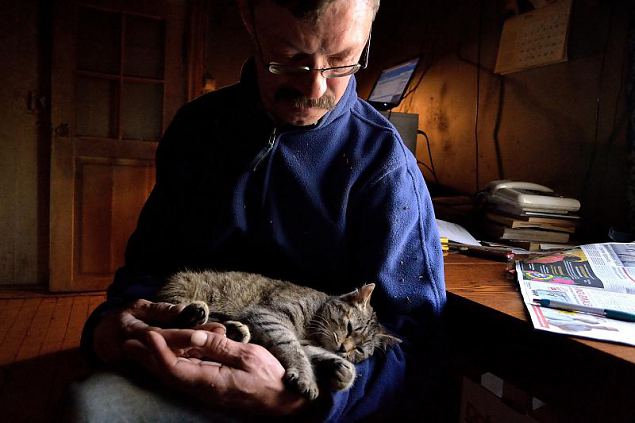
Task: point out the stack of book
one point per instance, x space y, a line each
528 215
533 230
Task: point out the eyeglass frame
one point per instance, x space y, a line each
303 70
277 68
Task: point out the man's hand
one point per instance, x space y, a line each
227 373
203 363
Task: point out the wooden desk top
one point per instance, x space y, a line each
483 282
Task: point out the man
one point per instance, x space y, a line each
290 175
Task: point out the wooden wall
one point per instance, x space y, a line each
561 125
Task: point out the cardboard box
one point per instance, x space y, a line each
479 405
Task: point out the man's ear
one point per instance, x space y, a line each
245 7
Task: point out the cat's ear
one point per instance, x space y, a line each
360 296
365 292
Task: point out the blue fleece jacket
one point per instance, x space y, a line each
330 206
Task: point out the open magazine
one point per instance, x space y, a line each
593 275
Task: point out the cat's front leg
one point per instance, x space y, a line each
271 332
300 376
331 370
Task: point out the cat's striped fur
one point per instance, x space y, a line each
316 337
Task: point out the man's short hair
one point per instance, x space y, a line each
312 9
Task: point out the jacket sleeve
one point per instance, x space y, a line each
398 247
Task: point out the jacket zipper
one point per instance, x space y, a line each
265 151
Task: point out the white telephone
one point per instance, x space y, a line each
528 196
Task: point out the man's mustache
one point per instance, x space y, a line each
325 102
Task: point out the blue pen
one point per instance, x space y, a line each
611 314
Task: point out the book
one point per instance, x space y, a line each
539 246
585 291
502 232
532 211
536 222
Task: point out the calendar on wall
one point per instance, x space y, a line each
535 38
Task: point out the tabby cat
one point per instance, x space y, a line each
316 337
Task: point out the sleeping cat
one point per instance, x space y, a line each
316 337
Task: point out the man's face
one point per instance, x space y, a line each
336 39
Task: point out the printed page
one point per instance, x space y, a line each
594 275
455 232
607 266
581 324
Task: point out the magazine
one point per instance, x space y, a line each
601 276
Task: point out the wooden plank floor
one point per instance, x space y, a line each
39 356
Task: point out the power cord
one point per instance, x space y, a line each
431 167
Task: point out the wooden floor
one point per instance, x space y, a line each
39 356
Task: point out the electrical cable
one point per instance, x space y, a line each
497 126
413 89
423 73
598 103
478 95
431 167
501 94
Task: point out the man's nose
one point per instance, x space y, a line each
312 85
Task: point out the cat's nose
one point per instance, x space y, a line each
346 346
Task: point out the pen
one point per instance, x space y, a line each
611 314
502 254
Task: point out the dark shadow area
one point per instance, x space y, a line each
32 390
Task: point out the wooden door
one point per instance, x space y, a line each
117 80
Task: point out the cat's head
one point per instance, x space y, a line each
348 326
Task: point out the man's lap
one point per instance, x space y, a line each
112 397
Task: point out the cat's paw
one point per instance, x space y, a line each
237 331
342 374
302 382
192 315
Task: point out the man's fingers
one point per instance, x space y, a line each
181 369
210 346
213 327
177 338
219 348
155 313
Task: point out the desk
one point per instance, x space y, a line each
584 380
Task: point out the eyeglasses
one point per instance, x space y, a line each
332 72
277 68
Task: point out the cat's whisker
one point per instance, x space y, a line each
319 329
318 326
322 319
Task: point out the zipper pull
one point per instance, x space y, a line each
265 151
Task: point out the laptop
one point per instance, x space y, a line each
391 86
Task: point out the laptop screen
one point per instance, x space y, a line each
391 85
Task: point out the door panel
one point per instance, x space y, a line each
117 80
110 194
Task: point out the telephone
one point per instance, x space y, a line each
528 196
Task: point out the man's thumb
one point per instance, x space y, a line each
218 348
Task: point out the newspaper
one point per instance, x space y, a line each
595 275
